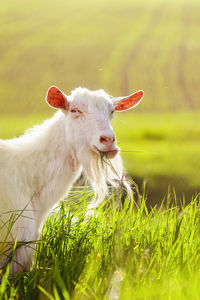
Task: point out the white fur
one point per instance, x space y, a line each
38 168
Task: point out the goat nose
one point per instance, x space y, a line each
107 139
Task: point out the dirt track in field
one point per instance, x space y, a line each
183 53
138 47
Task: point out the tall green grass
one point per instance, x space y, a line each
124 251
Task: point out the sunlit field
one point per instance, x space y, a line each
118 46
147 248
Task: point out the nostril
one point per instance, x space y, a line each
105 139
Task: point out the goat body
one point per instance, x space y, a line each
38 168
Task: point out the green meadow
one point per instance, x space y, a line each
120 47
144 250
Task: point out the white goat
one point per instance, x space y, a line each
38 168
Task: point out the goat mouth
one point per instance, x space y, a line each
109 154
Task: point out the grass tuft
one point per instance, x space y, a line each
125 251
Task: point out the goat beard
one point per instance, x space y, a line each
101 171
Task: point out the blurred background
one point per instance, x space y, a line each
122 47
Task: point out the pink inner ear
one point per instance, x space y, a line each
129 102
56 99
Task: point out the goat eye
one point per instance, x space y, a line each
112 112
75 110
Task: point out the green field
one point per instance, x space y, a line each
120 46
126 253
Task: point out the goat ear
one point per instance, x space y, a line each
56 99
128 102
